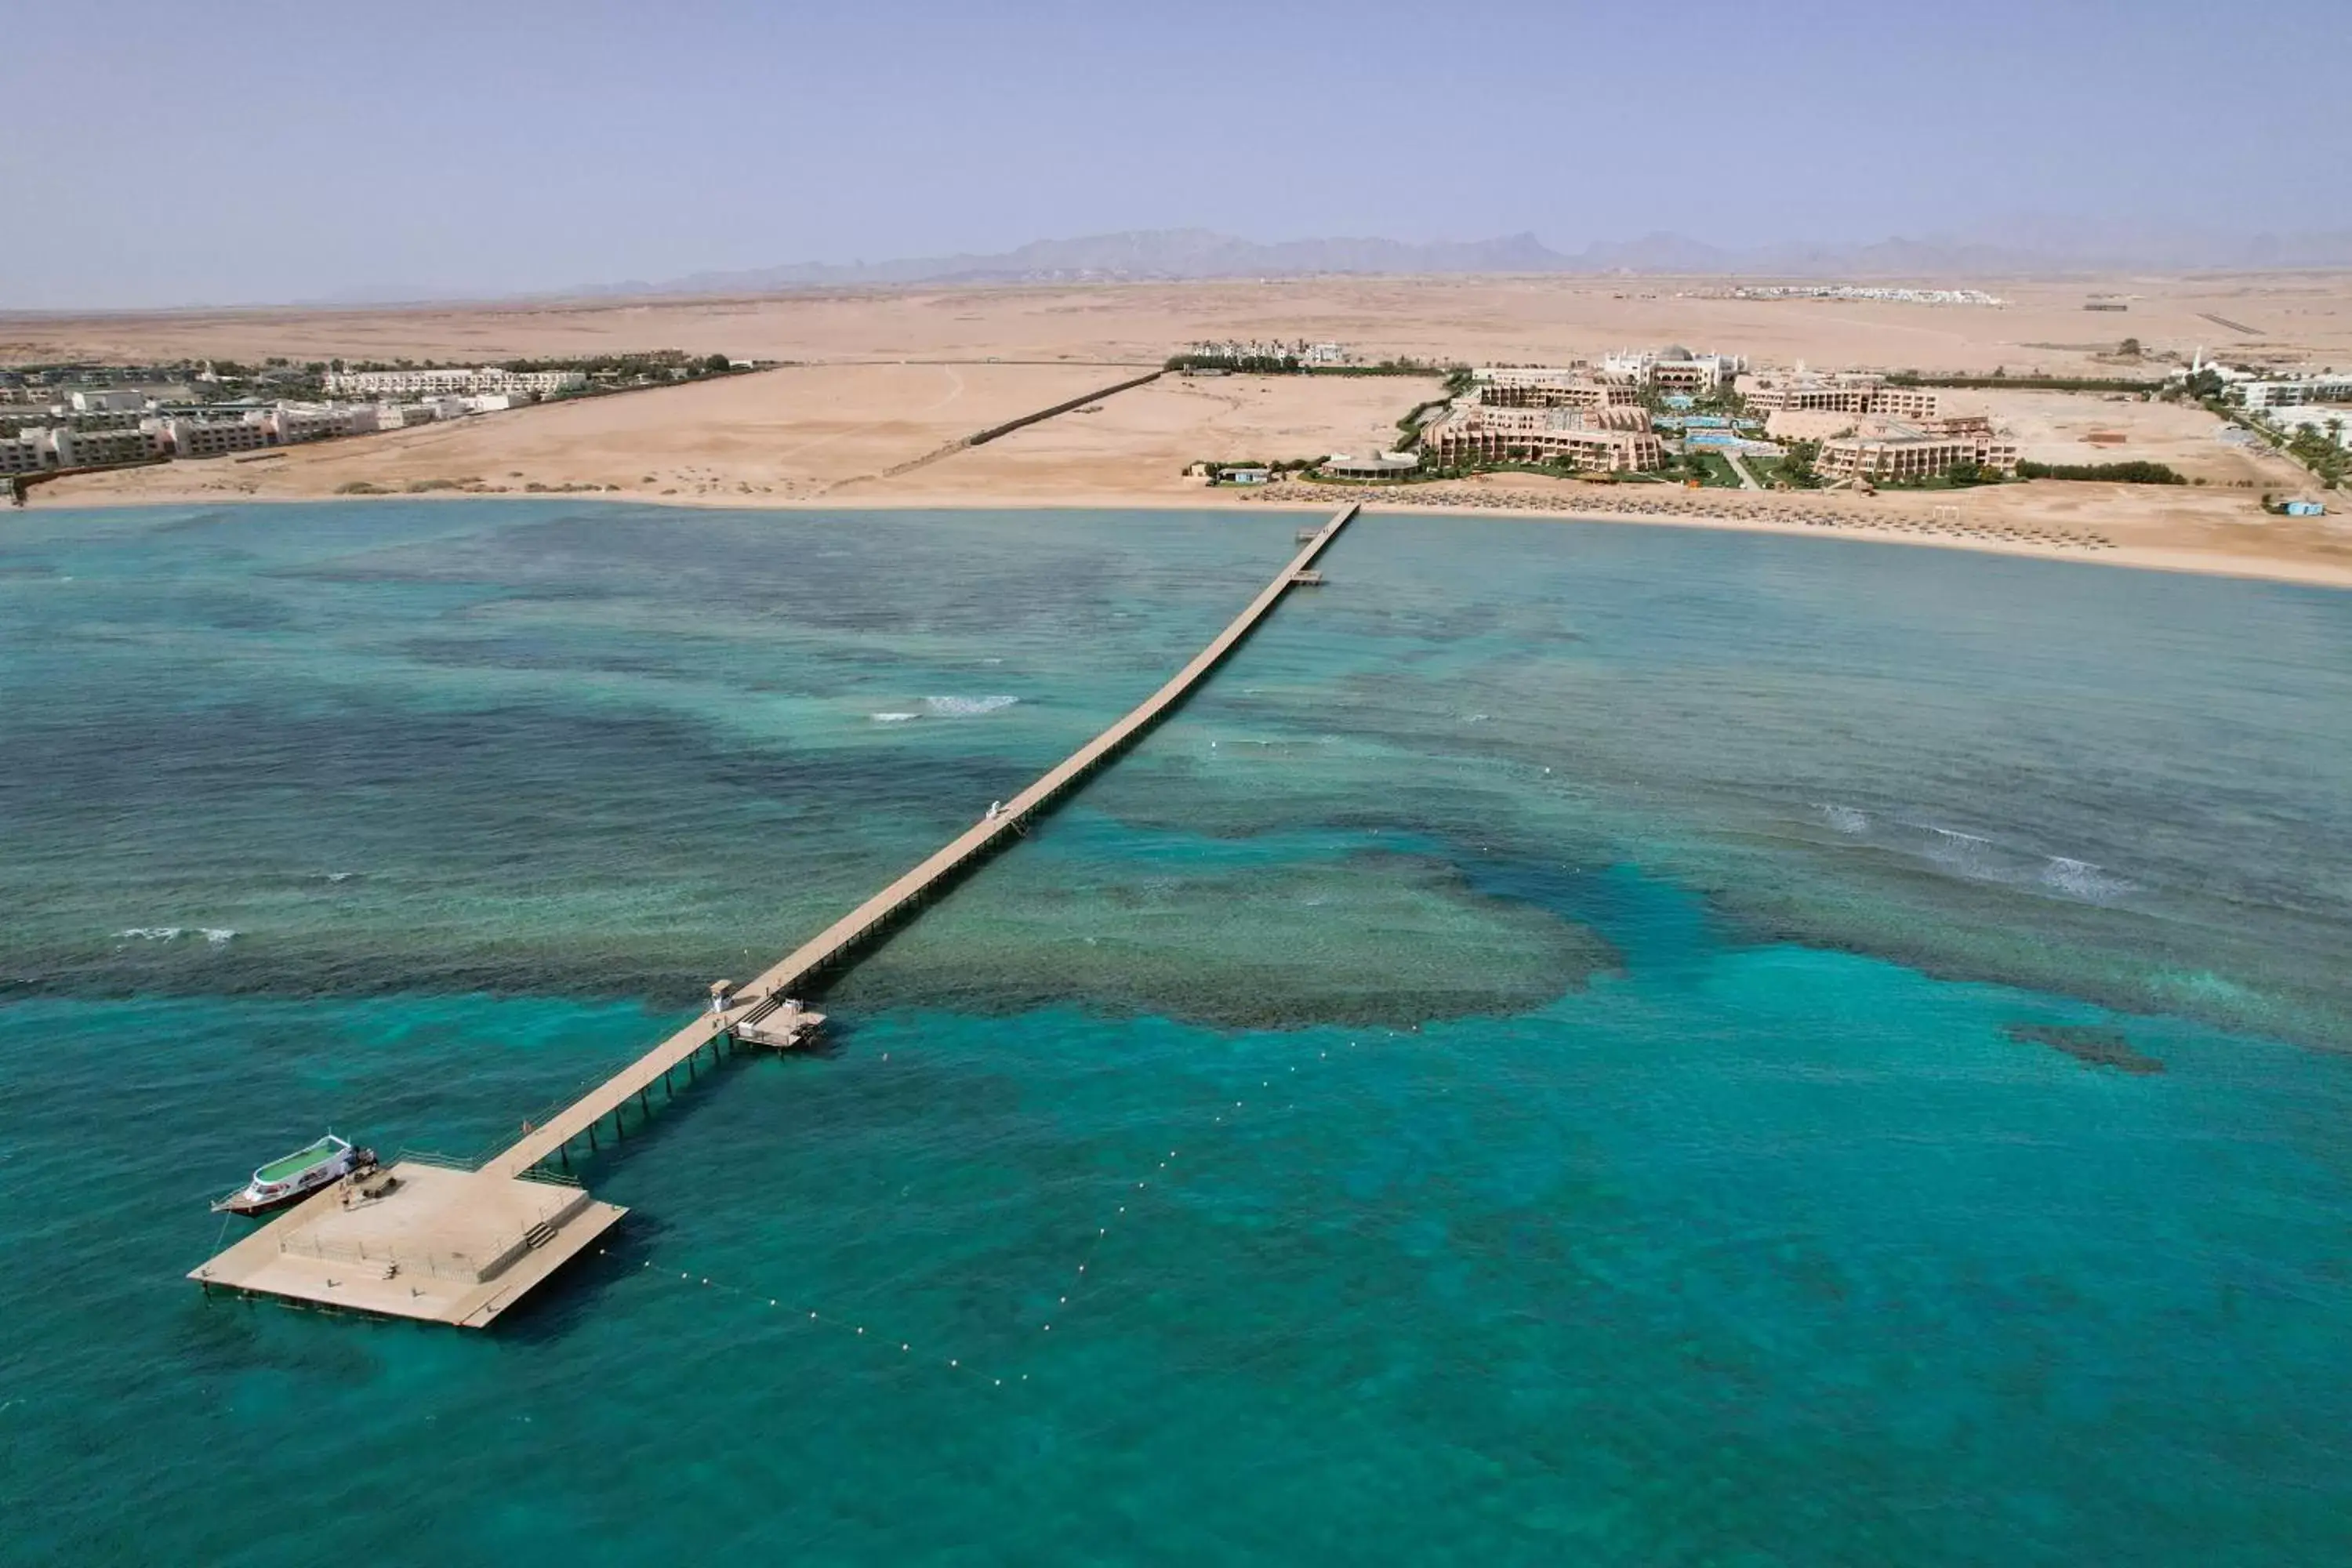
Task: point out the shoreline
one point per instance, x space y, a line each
2206 563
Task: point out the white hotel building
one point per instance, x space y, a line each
459 382
1674 368
2326 388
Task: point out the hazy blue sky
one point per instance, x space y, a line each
160 153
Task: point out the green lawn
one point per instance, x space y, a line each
1714 470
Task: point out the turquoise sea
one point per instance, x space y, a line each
1582 1045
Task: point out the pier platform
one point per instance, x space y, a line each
788 1028
446 1246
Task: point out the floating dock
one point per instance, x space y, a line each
461 1246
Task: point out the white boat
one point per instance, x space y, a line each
294 1176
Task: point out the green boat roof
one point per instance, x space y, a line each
301 1160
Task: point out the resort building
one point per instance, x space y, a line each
1800 391
401 416
30 452
95 448
2327 387
108 400
1674 368
1819 424
36 450
216 437
1888 449
1478 432
116 419
1545 386
1618 417
1376 465
289 423
457 381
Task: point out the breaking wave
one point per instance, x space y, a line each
1979 858
891 717
965 707
2082 879
214 936
1967 853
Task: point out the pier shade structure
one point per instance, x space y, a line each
420 1239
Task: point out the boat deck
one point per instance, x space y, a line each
294 1164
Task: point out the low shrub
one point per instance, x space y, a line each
2139 472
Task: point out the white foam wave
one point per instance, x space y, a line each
1968 854
1846 819
215 936
341 876
891 717
966 707
2082 879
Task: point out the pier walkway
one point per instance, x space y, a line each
420 1239
847 935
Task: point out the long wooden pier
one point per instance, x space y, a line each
461 1246
842 939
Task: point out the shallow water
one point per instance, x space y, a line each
1577 1000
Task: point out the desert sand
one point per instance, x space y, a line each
880 387
2295 316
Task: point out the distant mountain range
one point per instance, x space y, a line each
2020 246
2024 246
